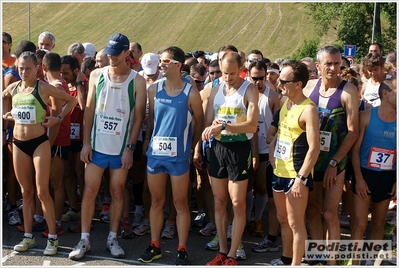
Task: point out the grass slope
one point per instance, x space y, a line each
277 29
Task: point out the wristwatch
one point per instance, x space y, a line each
61 118
80 83
131 146
224 124
333 163
302 178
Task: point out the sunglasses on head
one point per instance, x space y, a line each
258 78
167 61
254 59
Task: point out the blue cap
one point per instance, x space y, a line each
116 44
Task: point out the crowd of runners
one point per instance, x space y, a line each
127 132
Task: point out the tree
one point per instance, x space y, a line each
353 23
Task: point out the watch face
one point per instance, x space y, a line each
333 163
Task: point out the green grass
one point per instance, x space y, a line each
277 29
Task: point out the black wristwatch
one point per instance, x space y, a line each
61 118
302 178
80 83
224 124
333 163
131 146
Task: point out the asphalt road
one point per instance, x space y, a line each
99 256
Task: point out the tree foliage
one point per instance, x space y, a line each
353 23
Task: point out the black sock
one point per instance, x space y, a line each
12 207
272 238
286 260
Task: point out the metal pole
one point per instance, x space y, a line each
28 21
375 13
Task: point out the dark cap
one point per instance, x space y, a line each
116 44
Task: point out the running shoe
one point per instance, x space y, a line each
182 257
25 244
104 214
209 228
214 244
79 250
265 245
240 253
199 220
143 228
150 254
115 249
14 218
169 230
70 216
51 248
126 229
258 229
277 262
218 260
229 262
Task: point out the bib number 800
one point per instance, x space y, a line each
23 115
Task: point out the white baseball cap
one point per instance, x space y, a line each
149 62
90 50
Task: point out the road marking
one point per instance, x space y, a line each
9 256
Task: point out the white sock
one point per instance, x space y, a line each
28 235
55 237
111 236
85 236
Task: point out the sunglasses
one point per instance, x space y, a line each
254 60
283 82
167 61
343 68
199 81
215 72
258 78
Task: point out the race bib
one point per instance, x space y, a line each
283 149
381 158
110 125
229 119
164 146
325 141
75 131
24 114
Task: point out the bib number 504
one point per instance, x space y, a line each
163 146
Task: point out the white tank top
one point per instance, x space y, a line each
264 120
371 94
113 114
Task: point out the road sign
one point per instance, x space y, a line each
350 50
351 59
